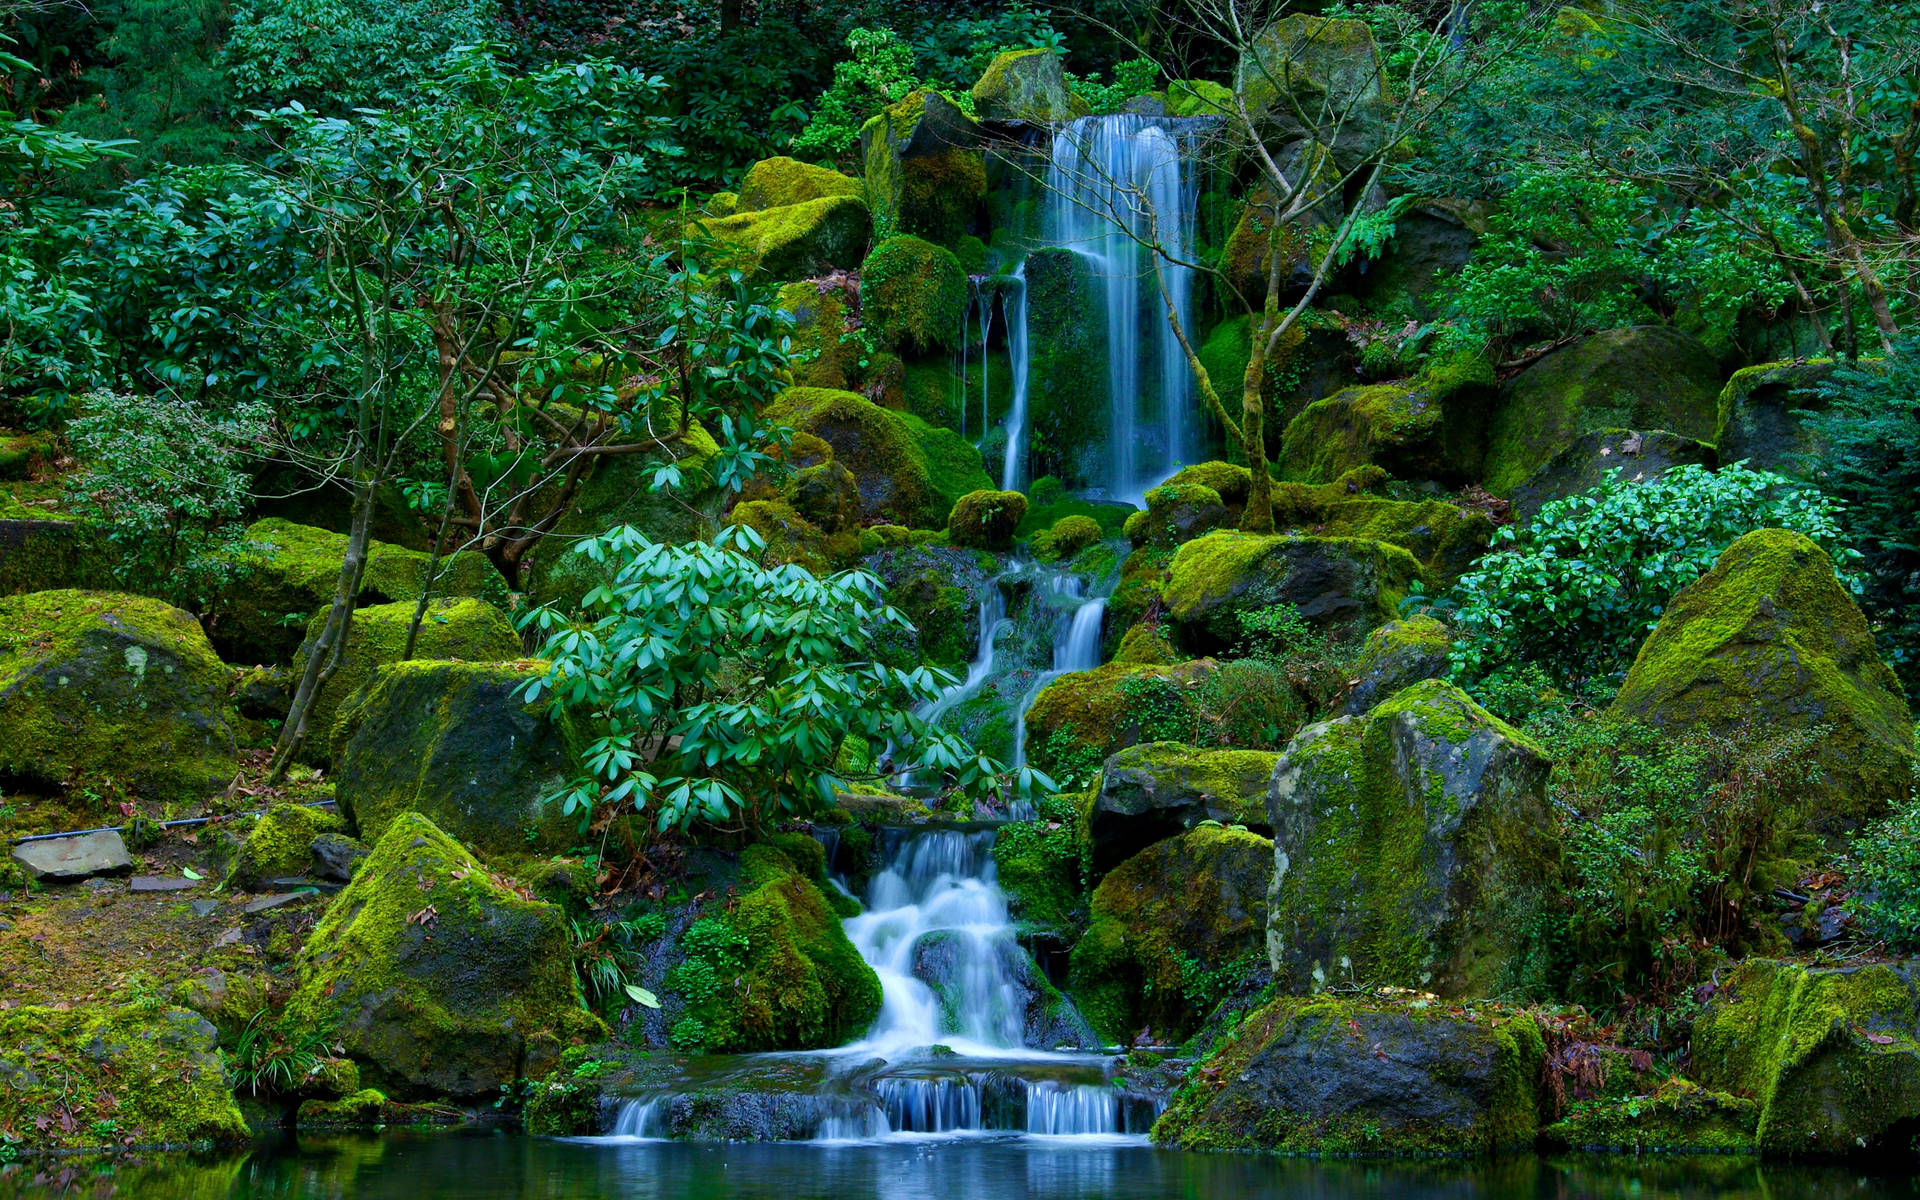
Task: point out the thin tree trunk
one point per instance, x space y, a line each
1253 431
330 647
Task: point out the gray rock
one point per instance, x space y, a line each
1589 457
260 904
1156 790
204 908
162 883
66 860
336 857
1397 655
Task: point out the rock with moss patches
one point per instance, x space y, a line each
24 454
438 977
1758 417
1308 76
281 844
1198 98
1446 538
1038 864
1338 1077
1154 791
820 326
986 519
909 473
464 630
794 241
113 1078
1679 1117
286 573
41 550
1591 456
1831 1056
1067 367
1084 717
1432 427
1300 244
1183 907
1026 85
1408 847
1769 641
913 294
459 743
779 182
1176 513
1397 655
925 173
1145 644
1066 537
940 589
1342 586
1646 377
96 684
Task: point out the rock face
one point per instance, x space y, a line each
1407 845
1769 640
456 742
796 241
436 977
1758 414
1589 457
1645 378
96 684
1155 791
465 629
1180 908
68 860
925 174
153 1076
1067 366
909 473
1432 427
1025 85
1342 586
1832 1056
1344 1077
1397 655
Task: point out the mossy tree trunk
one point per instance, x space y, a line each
331 645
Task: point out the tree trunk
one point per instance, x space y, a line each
1253 431
328 649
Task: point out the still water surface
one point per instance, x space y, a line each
513 1167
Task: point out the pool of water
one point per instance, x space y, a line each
504 1166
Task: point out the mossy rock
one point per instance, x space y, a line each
941 589
925 173
1066 537
819 330
1829 1055
1067 380
1446 538
1037 864
1646 377
1410 845
438 977
986 519
464 630
779 182
286 573
1679 1118
1156 790
794 241
108 1079
1176 513
1247 257
1397 655
1591 456
1768 640
458 742
1335 1077
97 684
1343 586
1307 76
42 551
281 844
1026 85
910 473
913 294
1145 644
1758 417
1199 98
23 455
1191 903
1087 714
1230 481
1430 428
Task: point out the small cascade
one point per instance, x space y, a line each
1013 470
993 619
1076 647
1059 1110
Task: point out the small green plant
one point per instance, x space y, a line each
1886 878
603 951
272 1055
688 1033
880 72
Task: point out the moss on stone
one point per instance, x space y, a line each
1198 98
1067 368
1176 513
986 519
819 331
1397 655
909 473
1308 75
281 843
1066 537
1084 716
1679 1117
1230 481
1429 428
925 173
1444 537
1026 85
1145 644
779 182
1038 864
794 241
913 294
1344 586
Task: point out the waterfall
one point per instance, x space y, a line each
1013 471
1114 185
1076 647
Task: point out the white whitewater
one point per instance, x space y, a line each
1013 470
1076 646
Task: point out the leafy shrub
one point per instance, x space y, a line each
337 56
1886 878
272 1054
1579 587
1132 78
880 71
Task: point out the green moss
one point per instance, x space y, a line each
96 685
1444 537
1066 537
1198 98
1340 584
1145 645
1176 513
1429 428
280 843
108 1078
986 519
796 241
924 173
1038 864
909 472
779 182
913 294
819 332
1026 85
1067 368
1230 481
1087 715
1680 1117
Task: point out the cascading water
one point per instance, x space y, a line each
1076 647
1013 470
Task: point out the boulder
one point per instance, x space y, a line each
1198 98
1342 586
820 326
913 295
1445 538
1677 1117
1334 1077
1307 76
1176 513
1082 718
281 844
1759 420
1832 1056
1067 368
909 473
462 630
779 182
336 857
69 860
1590 456
1407 845
1432 241
794 241
1397 655
1769 640
97 684
1067 537
437 977
925 173
139 1077
1645 378
1182 908
1247 257
986 519
459 743
1151 792
41 549
1432 427
1026 85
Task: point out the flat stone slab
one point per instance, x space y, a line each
260 904
67 860
163 883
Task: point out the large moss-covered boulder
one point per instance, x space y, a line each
280 844
1589 458
1445 538
779 182
1832 1056
41 550
1067 382
464 630
1176 513
820 311
287 572
458 742
925 173
438 977
986 519
1397 655
113 1078
1432 427
1307 76
1193 903
909 473
1646 377
794 241
1153 791
1769 640
1332 1077
1409 845
1758 419
1261 232
913 294
1026 85
96 684
1343 586
1080 719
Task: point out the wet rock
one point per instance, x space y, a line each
1397 655
1026 85
1030 1005
1159 789
68 860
